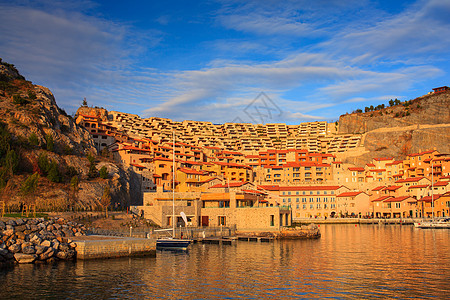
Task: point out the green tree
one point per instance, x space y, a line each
11 162
103 172
93 172
74 187
33 139
50 142
105 201
53 172
43 163
4 177
391 102
5 139
30 184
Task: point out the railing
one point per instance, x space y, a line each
196 232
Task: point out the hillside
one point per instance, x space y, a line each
412 126
37 137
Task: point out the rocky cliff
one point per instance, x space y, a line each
413 126
32 125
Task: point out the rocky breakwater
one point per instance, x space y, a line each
38 240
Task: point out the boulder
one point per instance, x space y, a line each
29 250
22 258
2 225
62 255
11 222
46 243
47 254
64 247
14 248
20 222
20 228
40 249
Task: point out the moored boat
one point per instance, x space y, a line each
172 244
438 224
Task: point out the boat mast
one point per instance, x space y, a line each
432 190
173 183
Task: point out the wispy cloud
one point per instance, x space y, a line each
311 57
71 53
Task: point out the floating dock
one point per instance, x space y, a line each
232 240
98 246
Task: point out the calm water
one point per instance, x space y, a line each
348 262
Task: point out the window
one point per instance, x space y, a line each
297 200
317 199
304 206
311 199
272 220
311 206
222 220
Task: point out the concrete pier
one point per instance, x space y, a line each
97 247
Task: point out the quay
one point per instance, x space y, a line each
398 221
98 247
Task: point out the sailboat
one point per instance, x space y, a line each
172 243
434 223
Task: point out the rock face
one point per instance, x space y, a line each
39 240
32 117
400 130
429 109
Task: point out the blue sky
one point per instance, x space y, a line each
211 60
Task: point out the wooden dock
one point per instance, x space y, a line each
232 240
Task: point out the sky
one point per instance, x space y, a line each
262 61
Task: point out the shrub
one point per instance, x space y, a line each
11 161
103 172
30 184
43 163
33 139
50 143
53 172
31 95
18 100
4 177
93 172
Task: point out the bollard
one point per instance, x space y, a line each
131 227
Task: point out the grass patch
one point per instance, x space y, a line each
31 216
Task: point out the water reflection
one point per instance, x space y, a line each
348 262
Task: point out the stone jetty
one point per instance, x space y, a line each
310 231
38 240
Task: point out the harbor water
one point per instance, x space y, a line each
347 262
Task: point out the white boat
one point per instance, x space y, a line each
438 224
172 243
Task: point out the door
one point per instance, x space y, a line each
205 221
